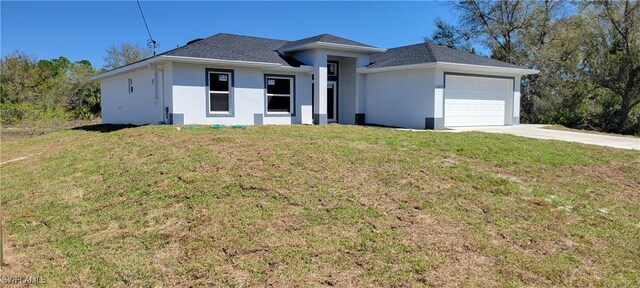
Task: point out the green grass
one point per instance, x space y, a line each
319 205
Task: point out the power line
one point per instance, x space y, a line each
152 43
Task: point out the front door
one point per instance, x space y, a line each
332 90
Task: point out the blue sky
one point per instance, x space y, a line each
82 30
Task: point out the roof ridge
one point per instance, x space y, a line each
217 34
324 38
467 53
426 52
226 46
452 49
311 37
430 51
405 46
247 36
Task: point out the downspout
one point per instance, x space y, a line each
165 110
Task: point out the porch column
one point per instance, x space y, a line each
320 88
516 101
360 94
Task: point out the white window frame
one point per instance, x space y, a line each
130 82
335 70
290 95
209 91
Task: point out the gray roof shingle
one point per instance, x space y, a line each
255 49
326 38
428 53
236 47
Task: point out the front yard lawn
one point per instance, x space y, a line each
318 206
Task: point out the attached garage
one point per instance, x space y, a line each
471 100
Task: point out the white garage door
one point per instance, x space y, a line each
476 101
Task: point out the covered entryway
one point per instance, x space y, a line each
471 100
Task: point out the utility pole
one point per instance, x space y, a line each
151 43
154 45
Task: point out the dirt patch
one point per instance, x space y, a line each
15 264
450 241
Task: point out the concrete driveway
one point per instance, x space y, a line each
539 132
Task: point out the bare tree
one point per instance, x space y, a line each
451 36
124 54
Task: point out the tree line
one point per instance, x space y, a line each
33 90
588 54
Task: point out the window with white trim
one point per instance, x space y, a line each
332 69
219 91
279 94
130 85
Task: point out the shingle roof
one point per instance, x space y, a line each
236 47
326 38
428 53
255 49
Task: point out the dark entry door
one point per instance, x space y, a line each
331 101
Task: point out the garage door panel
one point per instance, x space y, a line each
475 101
480 83
461 112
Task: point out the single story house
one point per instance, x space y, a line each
232 79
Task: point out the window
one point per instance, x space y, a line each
130 85
219 90
332 69
279 95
